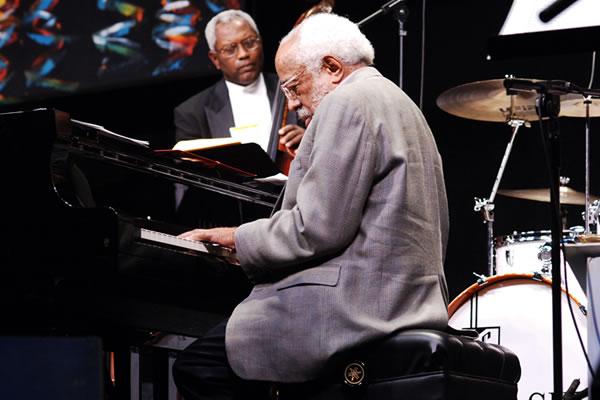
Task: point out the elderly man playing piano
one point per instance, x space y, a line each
356 251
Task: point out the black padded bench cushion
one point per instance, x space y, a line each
417 351
416 364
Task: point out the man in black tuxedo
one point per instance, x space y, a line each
244 97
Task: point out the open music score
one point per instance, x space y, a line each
202 247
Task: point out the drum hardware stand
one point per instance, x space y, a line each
486 206
587 102
400 10
592 214
545 256
481 279
537 276
564 213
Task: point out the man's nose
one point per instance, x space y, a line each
242 52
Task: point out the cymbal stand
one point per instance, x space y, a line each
486 206
587 102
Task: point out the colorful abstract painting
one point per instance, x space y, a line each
55 47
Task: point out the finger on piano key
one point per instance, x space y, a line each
186 243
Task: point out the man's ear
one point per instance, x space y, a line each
215 60
334 68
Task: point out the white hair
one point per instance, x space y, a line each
326 34
225 17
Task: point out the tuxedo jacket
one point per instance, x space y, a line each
356 252
208 114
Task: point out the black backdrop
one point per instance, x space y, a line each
455 53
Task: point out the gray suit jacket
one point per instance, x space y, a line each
357 250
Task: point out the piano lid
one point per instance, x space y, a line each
94 142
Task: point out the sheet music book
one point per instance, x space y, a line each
205 143
246 159
106 132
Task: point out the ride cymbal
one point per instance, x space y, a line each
488 101
567 195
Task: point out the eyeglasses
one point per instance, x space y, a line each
290 86
248 44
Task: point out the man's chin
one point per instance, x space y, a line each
248 77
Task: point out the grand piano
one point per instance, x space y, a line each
90 229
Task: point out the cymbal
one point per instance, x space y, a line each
567 195
572 105
488 101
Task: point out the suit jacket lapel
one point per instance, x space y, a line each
218 111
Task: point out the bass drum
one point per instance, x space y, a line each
515 311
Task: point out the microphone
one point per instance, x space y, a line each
513 85
554 9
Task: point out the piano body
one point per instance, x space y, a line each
90 228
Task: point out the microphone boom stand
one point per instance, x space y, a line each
400 10
548 107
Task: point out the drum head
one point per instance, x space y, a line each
515 311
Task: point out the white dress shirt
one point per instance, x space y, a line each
251 112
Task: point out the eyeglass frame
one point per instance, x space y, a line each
232 49
290 92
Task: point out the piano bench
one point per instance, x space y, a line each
415 364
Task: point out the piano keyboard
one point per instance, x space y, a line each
202 247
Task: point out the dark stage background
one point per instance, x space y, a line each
455 53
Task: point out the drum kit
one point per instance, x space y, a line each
512 305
